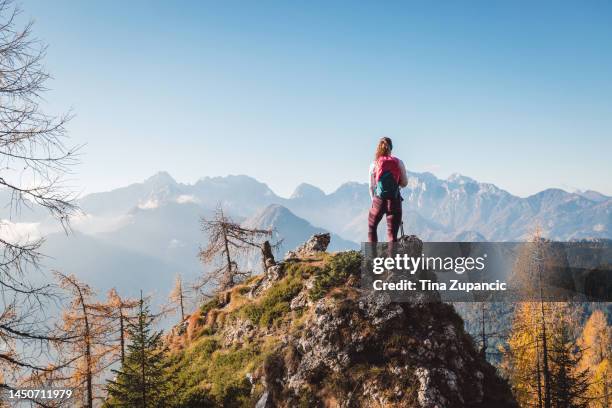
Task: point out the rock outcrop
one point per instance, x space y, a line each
305 335
316 243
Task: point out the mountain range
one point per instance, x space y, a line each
145 233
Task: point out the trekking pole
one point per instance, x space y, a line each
402 228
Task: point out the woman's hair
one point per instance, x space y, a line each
385 145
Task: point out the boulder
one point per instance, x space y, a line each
315 244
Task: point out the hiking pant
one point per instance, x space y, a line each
393 209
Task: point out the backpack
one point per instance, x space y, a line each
387 175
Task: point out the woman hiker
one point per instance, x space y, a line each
387 175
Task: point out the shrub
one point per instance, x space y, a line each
335 272
275 302
303 270
226 374
210 305
207 331
205 346
194 398
273 313
208 375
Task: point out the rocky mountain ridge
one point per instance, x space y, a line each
304 335
443 209
435 209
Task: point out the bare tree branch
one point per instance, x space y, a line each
227 241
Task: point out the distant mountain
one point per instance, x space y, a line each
593 196
292 230
441 210
336 210
121 200
240 195
307 192
434 209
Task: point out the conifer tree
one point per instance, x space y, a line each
568 384
143 380
90 349
179 296
227 242
522 362
534 271
596 342
121 310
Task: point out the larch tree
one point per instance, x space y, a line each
122 311
34 160
92 347
536 273
596 343
179 296
522 363
228 241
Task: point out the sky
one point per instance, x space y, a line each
515 93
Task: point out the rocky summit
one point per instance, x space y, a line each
304 335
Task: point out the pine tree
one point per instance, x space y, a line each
143 380
568 384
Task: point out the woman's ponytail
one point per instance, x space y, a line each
385 145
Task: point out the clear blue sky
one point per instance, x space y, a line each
514 93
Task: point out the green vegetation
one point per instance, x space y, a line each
208 306
143 379
227 370
275 302
204 347
335 272
211 375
